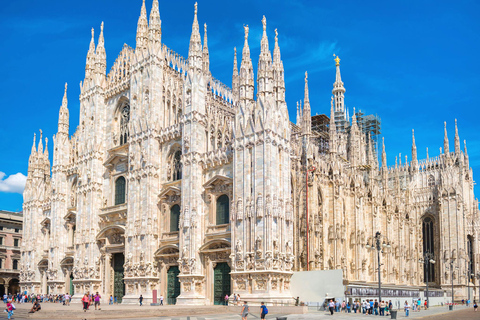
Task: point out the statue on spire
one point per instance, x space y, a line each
337 60
264 22
246 31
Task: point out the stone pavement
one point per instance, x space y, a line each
132 312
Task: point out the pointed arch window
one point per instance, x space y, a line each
124 119
428 246
177 165
470 261
174 218
120 190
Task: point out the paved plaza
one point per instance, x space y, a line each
131 312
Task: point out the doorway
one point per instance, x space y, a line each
221 283
173 285
118 283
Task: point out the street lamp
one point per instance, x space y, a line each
426 260
452 260
378 245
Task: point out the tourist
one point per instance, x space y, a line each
234 299
387 309
263 311
475 306
161 299
141 300
245 310
349 307
382 308
85 302
331 306
426 306
97 301
375 307
419 304
337 306
297 300
111 300
372 304
115 300
364 307
407 308
344 306
36 306
226 299
10 308
238 299
67 299
468 302
368 308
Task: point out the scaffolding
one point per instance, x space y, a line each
369 124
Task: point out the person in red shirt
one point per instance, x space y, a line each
9 308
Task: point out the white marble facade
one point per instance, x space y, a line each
169 168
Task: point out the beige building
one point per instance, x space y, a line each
175 182
10 240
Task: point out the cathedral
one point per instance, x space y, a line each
174 183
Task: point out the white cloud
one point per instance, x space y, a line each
14 183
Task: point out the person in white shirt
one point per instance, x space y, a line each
331 306
407 308
161 299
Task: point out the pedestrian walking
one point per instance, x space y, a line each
331 306
85 301
407 308
111 300
141 300
245 310
475 306
263 311
10 308
161 299
96 299
226 299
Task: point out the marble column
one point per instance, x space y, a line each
44 281
70 235
108 267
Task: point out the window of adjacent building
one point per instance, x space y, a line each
15 264
1 240
223 210
1 263
174 218
120 190
17 230
15 242
1 227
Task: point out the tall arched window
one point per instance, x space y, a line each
177 165
471 265
428 235
124 119
120 190
223 209
15 265
174 218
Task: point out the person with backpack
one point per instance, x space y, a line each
263 311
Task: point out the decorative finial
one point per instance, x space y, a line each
66 85
205 28
246 31
337 60
264 22
306 76
101 27
195 8
445 124
276 34
92 34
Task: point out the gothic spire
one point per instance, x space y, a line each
40 143
89 67
384 154
246 70
414 148
264 63
46 150
195 48
206 56
307 114
457 139
34 149
278 78
235 75
467 164
155 27
427 153
101 53
142 29
338 88
63 115
445 140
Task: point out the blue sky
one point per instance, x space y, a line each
414 63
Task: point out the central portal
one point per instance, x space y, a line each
173 285
118 283
221 282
